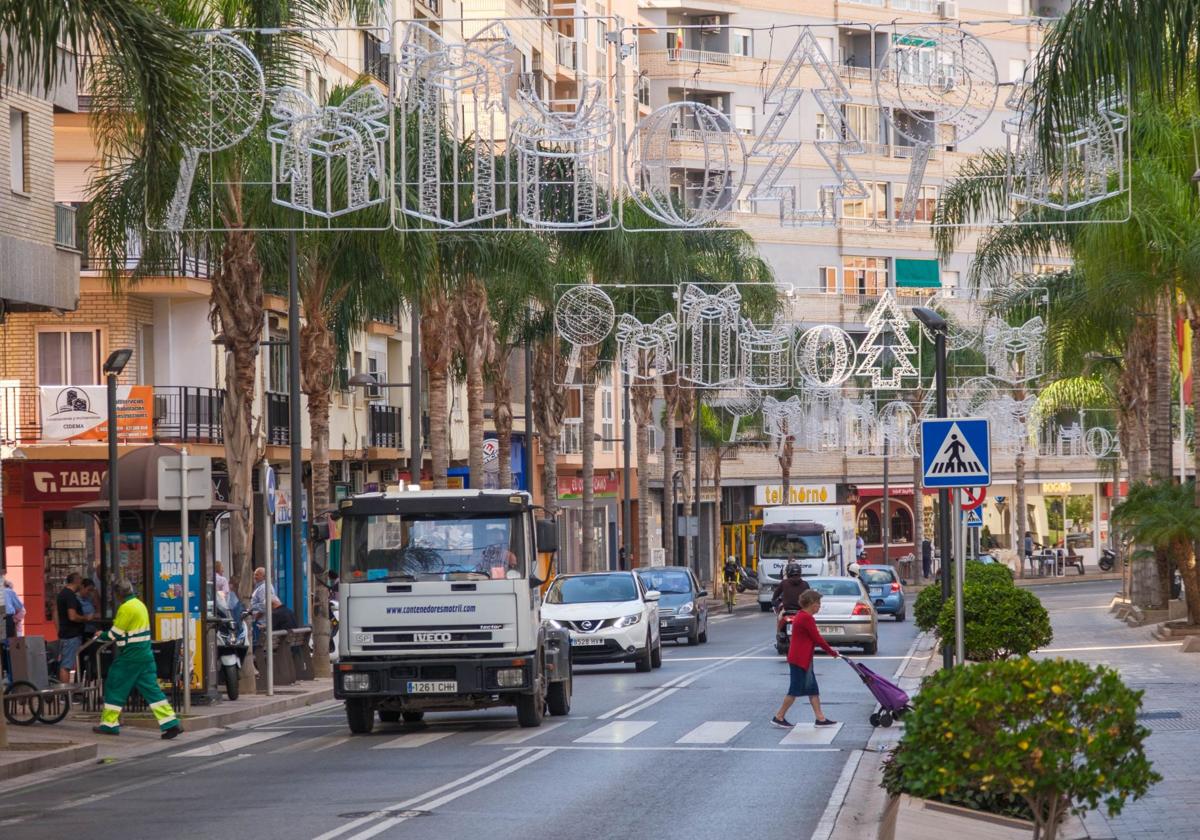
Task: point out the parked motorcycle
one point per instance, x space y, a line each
747 579
231 642
1108 559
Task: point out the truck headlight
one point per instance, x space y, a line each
686 609
510 677
356 682
629 620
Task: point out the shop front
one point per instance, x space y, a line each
901 513
605 491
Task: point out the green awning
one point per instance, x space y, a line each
909 41
918 274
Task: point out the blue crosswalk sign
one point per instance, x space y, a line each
956 452
973 518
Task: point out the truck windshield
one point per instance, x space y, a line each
417 546
782 544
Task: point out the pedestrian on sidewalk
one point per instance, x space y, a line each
926 558
133 668
805 638
70 625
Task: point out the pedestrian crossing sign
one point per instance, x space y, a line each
956 452
973 518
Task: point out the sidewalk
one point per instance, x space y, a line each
1084 630
41 748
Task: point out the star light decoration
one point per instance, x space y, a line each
887 319
781 100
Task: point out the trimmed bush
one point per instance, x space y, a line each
896 780
1056 734
1001 620
928 604
987 573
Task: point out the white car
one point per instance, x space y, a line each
612 617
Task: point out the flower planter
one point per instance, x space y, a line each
909 818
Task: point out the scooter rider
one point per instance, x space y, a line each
786 597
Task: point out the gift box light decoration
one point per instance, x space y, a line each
1014 354
454 90
708 340
583 317
765 355
232 92
646 351
564 160
330 160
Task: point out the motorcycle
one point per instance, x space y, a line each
231 642
747 579
1108 559
783 633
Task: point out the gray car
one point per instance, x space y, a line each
682 605
847 617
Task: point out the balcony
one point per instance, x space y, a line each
64 227
686 56
377 62
181 414
383 426
278 419
183 259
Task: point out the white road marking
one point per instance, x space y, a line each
777 658
633 710
427 804
810 734
714 732
336 742
621 748
415 739
828 820
681 680
231 744
520 736
617 732
1108 647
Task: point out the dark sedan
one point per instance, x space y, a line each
683 605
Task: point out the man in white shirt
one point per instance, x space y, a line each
222 582
258 600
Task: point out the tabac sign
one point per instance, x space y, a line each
80 412
74 482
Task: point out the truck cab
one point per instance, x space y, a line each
780 543
440 608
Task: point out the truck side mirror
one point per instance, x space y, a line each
547 536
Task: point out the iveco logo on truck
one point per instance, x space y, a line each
431 637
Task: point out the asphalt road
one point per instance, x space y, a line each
686 751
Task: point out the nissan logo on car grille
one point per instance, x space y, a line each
431 637
587 625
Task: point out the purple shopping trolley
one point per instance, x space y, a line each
893 701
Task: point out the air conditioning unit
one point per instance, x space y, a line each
710 24
658 557
948 9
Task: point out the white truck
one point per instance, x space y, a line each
440 608
818 537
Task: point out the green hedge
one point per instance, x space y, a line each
1001 620
1055 733
928 604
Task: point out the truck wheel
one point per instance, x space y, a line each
413 716
360 715
656 656
764 607
559 697
529 709
645 661
389 716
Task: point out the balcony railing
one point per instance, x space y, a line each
384 426
64 226
278 419
687 56
181 414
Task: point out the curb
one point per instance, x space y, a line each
48 760
276 705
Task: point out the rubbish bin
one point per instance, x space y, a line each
284 666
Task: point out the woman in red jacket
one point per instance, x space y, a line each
805 638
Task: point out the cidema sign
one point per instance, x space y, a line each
798 494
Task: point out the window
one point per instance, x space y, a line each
18 143
145 354
607 427
743 118
277 372
949 279
873 207
1016 69
865 276
827 279
68 357
863 121
1016 7
376 368
739 42
744 204
601 34
926 202
322 90
643 90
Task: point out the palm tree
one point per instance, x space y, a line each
1164 515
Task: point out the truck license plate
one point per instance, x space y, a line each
432 686
586 641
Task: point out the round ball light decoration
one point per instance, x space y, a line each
825 356
658 145
937 75
583 317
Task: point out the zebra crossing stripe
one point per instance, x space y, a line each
415 739
809 734
519 736
714 732
617 732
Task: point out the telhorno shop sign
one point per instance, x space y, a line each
72 482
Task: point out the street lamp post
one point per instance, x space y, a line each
696 555
296 529
626 455
113 365
936 324
676 511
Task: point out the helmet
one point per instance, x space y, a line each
793 570
853 569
